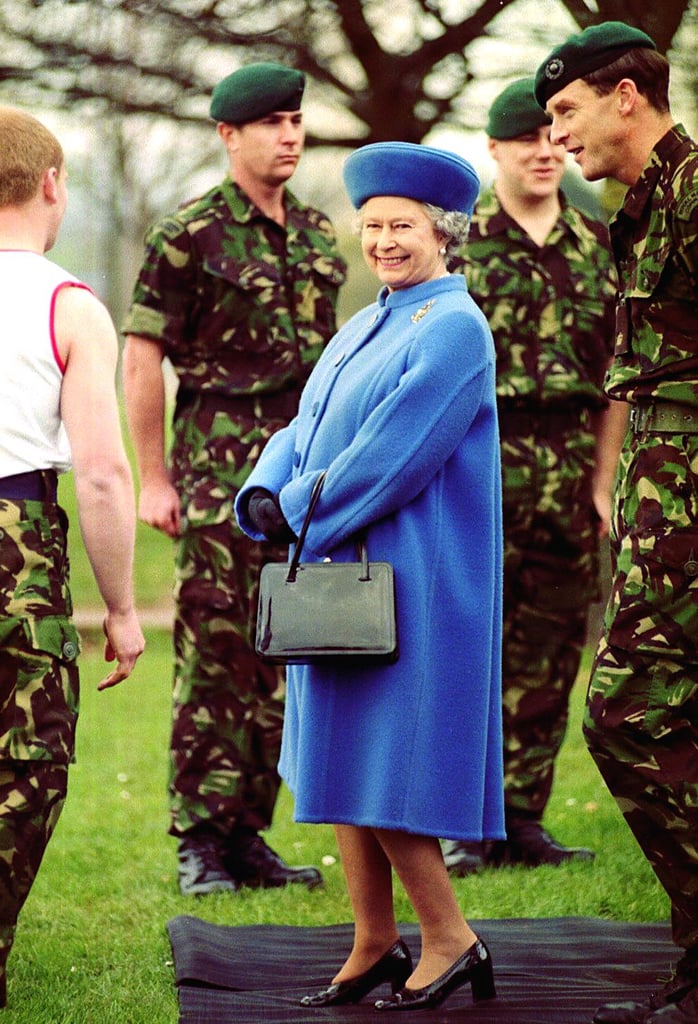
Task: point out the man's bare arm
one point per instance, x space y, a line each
144 391
105 497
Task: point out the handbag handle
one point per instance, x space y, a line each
293 565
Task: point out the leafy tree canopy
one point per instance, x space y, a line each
377 69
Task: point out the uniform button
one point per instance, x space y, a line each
70 650
296 458
691 567
314 410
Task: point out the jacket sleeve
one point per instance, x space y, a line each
273 471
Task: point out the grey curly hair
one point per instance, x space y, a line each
452 224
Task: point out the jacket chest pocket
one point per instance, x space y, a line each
640 276
238 286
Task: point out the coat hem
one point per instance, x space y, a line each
419 830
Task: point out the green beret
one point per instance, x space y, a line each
255 91
594 48
515 112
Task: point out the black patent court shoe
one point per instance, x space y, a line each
474 966
394 967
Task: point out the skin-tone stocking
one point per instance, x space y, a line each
367 858
369 884
419 864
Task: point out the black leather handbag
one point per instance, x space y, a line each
312 612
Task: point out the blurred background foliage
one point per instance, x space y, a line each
126 85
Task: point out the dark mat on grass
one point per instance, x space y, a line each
548 971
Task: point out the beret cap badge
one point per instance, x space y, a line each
554 68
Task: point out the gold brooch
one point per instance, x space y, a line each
416 317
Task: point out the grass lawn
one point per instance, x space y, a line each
153 564
91 946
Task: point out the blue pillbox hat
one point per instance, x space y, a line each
434 176
256 90
587 51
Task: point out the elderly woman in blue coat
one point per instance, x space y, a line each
400 413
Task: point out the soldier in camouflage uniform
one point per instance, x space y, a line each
542 272
607 90
238 290
59 361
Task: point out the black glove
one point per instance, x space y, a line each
265 512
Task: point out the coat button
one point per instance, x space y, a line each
691 567
296 458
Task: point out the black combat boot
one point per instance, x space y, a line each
675 1003
685 1011
251 862
463 857
201 864
528 843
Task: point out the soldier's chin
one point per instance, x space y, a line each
282 176
589 173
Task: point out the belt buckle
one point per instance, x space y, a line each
639 415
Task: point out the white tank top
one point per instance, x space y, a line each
32 435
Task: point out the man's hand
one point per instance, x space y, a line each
602 504
124 644
158 506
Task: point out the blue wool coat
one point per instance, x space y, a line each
400 411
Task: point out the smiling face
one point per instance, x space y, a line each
399 242
590 127
529 165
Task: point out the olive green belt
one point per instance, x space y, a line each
664 418
260 405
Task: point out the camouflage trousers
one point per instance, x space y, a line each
641 717
227 705
39 696
32 795
550 579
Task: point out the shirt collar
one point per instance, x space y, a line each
636 197
494 220
244 211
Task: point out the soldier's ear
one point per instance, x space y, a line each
49 184
229 134
627 96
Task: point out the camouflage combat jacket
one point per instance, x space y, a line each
240 304
655 242
550 307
